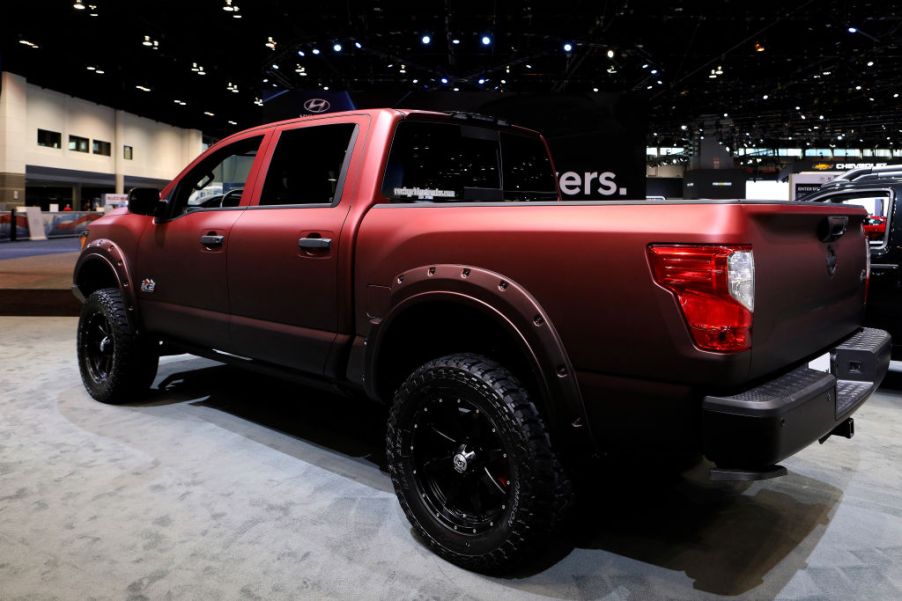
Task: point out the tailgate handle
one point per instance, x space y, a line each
832 228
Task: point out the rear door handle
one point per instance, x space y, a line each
212 240
315 243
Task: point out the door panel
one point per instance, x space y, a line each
182 256
283 253
189 296
284 296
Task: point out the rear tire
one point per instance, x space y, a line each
472 464
117 364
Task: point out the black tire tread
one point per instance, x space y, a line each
135 362
549 488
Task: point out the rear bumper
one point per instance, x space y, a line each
763 425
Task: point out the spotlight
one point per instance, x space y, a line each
455 41
444 80
852 30
486 40
426 40
610 54
336 47
358 45
315 51
568 47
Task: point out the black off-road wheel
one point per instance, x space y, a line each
116 363
472 464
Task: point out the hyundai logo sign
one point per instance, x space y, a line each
317 105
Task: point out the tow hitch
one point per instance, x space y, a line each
845 429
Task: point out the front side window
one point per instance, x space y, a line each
219 180
307 164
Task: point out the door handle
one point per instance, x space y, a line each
212 240
315 243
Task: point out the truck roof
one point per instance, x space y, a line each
474 118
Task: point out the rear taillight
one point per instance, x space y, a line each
715 287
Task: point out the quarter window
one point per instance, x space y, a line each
307 165
447 162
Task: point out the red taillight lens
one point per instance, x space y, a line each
709 287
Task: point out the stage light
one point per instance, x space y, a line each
568 47
358 45
444 80
455 41
852 30
315 51
78 5
486 40
336 47
610 54
426 40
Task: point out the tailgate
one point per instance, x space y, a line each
809 281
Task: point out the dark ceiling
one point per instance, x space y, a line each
811 72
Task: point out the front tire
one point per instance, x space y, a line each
116 363
472 464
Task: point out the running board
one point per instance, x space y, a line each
723 474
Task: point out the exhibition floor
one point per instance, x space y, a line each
227 486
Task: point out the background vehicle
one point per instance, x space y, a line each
425 260
876 189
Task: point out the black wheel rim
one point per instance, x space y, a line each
98 347
460 464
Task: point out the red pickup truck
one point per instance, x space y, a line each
426 260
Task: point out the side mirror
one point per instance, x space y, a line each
143 201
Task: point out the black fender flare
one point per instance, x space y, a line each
109 254
512 307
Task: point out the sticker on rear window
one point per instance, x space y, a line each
424 193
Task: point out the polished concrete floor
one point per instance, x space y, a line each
227 486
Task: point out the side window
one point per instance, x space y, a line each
307 165
528 174
877 204
443 162
218 180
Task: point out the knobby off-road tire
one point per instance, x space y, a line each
472 464
116 363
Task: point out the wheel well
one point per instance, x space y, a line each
433 329
94 275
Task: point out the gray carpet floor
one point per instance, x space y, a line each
224 486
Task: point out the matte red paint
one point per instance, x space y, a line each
585 265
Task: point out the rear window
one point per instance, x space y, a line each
448 162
